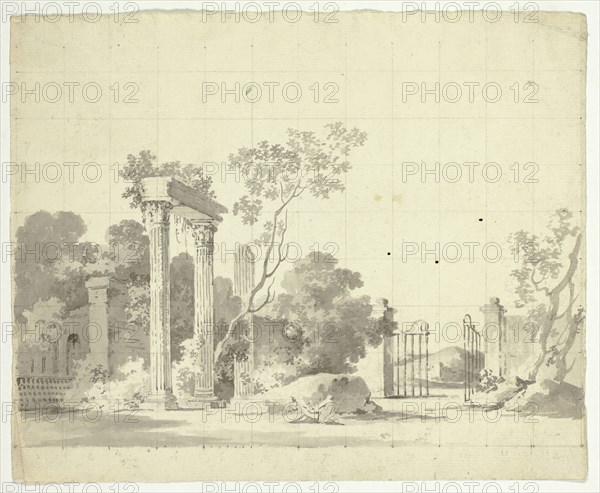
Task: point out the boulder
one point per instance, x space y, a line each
552 399
349 393
544 397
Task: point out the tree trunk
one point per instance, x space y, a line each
554 296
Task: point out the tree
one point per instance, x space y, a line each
545 284
182 302
278 174
227 305
132 235
319 311
129 247
45 263
144 165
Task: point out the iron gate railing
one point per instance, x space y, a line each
420 339
473 358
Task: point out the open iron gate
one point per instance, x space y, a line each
412 370
472 355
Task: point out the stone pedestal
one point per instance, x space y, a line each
493 334
388 354
98 320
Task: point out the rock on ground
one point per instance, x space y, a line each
550 398
349 392
545 398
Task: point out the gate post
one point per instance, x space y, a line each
388 355
493 328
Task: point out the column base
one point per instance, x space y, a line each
161 401
202 403
244 399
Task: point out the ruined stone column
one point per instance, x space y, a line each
156 214
98 320
492 333
204 326
243 283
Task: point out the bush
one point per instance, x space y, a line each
185 370
127 387
488 382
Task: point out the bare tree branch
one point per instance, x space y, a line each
573 262
267 300
280 255
572 299
266 273
537 284
551 316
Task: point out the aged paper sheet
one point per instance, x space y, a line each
298 245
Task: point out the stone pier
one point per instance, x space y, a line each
98 319
493 335
388 353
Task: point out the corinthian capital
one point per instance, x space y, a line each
156 211
203 233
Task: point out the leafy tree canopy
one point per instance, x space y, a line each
144 165
320 308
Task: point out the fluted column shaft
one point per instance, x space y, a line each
243 283
157 225
204 326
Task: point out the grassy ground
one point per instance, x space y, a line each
438 420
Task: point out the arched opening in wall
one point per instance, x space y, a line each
73 346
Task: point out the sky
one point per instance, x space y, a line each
196 90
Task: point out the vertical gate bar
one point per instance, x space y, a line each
472 359
427 360
473 383
469 369
412 363
465 356
405 362
420 363
478 362
475 363
469 364
475 370
397 372
477 353
467 379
